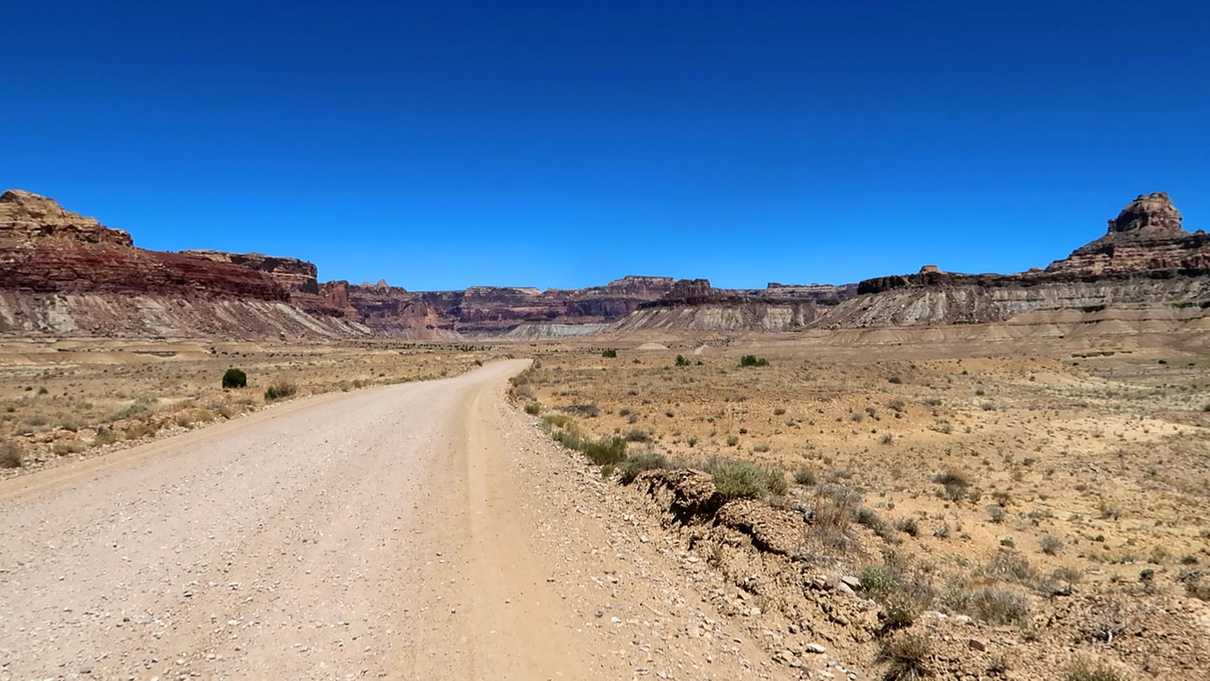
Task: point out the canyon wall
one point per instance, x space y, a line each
1146 265
65 273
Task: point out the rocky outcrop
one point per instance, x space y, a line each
292 274
1147 238
1146 262
392 311
26 217
61 272
498 310
1145 259
695 305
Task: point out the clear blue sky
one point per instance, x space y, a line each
566 143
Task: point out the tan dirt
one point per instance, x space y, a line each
412 531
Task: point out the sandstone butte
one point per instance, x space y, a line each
65 273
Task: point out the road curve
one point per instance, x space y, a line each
369 535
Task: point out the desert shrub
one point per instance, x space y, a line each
1050 544
732 440
877 580
776 481
637 463
1109 510
681 361
753 361
998 606
899 612
897 405
10 454
280 390
105 436
533 409
611 450
608 451
65 447
636 435
234 378
140 406
1010 565
867 517
952 478
996 513
610 354
908 526
140 429
804 477
1195 586
895 380
557 420
903 590
908 656
744 479
1085 669
590 410
832 512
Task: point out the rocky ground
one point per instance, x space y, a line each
953 510
415 531
980 511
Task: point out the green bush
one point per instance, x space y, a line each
681 361
637 463
234 378
533 409
557 420
744 479
611 354
608 451
753 361
280 391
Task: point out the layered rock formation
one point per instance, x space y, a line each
27 217
390 310
496 310
1146 264
1146 238
695 305
1145 261
63 273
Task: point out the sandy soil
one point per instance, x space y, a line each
76 398
414 531
1051 497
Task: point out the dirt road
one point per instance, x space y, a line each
415 531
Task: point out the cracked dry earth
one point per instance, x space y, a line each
414 531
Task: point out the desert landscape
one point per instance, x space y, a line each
932 475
